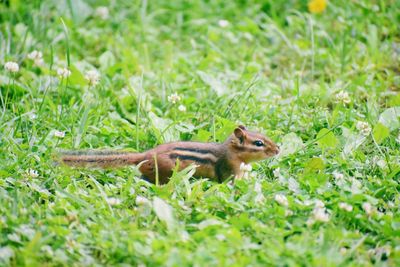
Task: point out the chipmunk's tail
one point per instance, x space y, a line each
99 158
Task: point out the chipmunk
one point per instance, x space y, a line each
217 161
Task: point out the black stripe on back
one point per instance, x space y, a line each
241 148
196 150
192 158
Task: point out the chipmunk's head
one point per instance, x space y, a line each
252 146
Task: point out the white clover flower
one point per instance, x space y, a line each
174 98
259 198
59 134
381 163
277 172
93 77
245 170
319 204
33 173
102 12
343 97
281 199
26 231
345 206
6 253
220 237
320 215
310 221
223 23
63 73
112 201
337 175
184 236
368 208
276 98
363 127
245 167
11 66
182 108
32 115
141 201
288 213
37 57
14 237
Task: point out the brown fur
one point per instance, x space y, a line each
213 160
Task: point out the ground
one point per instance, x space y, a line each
321 78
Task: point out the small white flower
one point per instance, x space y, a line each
257 187
220 237
182 108
343 97
276 98
14 237
288 213
63 72
141 201
259 198
174 98
363 127
307 202
112 201
245 167
338 175
367 208
33 173
375 8
345 206
32 115
320 215
102 12
184 236
381 163
11 66
282 200
245 170
310 221
37 57
59 134
26 231
277 172
93 77
223 23
6 253
319 204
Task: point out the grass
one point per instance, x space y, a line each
274 67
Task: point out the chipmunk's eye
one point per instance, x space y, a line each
258 143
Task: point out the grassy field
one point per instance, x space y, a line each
323 82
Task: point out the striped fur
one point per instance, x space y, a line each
100 158
204 156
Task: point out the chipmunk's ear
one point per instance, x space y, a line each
239 133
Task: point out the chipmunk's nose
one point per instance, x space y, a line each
277 150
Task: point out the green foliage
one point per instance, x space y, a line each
324 86
380 132
326 139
